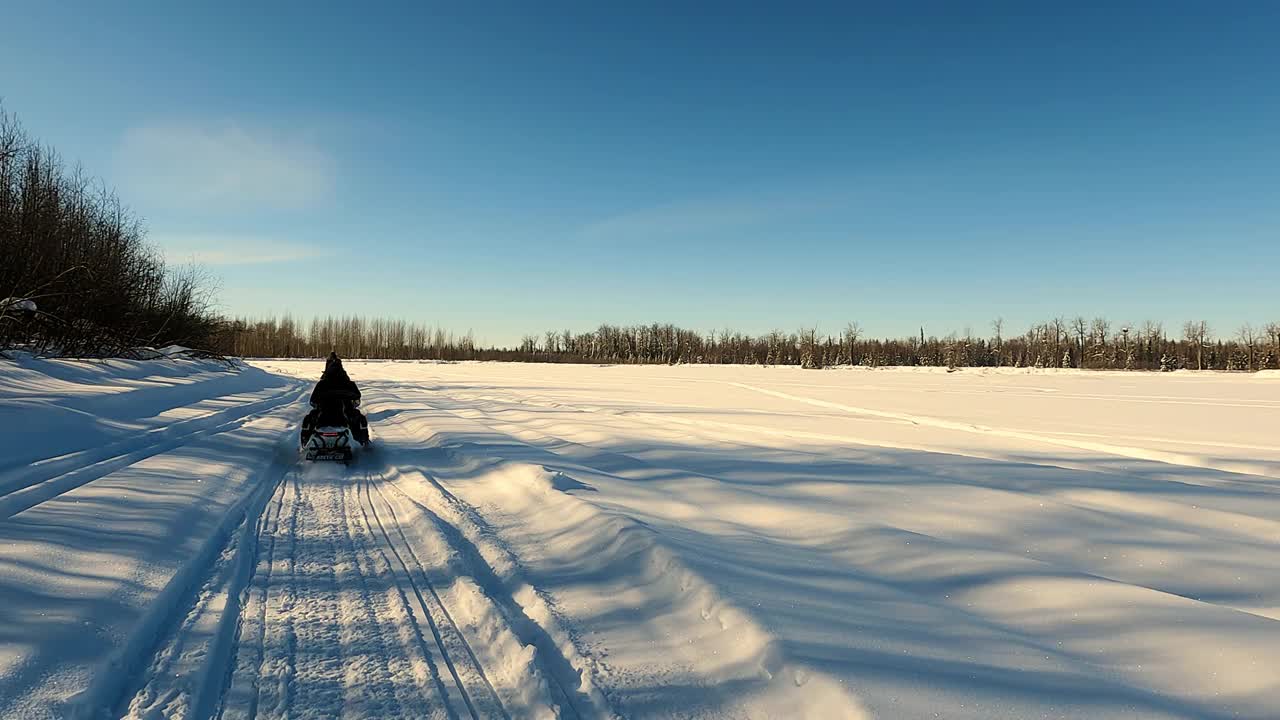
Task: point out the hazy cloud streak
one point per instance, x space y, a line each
235 249
227 167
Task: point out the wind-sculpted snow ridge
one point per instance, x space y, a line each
533 643
707 657
532 664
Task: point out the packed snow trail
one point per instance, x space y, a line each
338 625
352 613
363 603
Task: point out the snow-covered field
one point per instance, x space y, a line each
590 542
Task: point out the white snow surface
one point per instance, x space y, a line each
542 541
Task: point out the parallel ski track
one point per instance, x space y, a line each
258 585
229 577
44 481
447 634
314 634
566 699
557 672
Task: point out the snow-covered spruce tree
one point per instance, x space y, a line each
1066 358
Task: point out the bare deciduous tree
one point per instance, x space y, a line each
1196 333
71 249
1248 337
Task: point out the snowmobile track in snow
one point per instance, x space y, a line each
191 666
558 671
432 609
319 637
323 602
25 487
342 615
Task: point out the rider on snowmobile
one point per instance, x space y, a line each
336 393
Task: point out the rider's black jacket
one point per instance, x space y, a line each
335 384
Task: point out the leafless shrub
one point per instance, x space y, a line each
71 247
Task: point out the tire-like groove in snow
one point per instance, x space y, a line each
374 672
268 675
417 616
777 672
190 669
525 628
458 574
151 641
391 609
255 593
438 629
24 491
52 465
333 622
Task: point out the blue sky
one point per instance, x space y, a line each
515 167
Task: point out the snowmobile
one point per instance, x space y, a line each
330 442
331 438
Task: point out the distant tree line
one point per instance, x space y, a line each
349 336
1075 343
76 274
